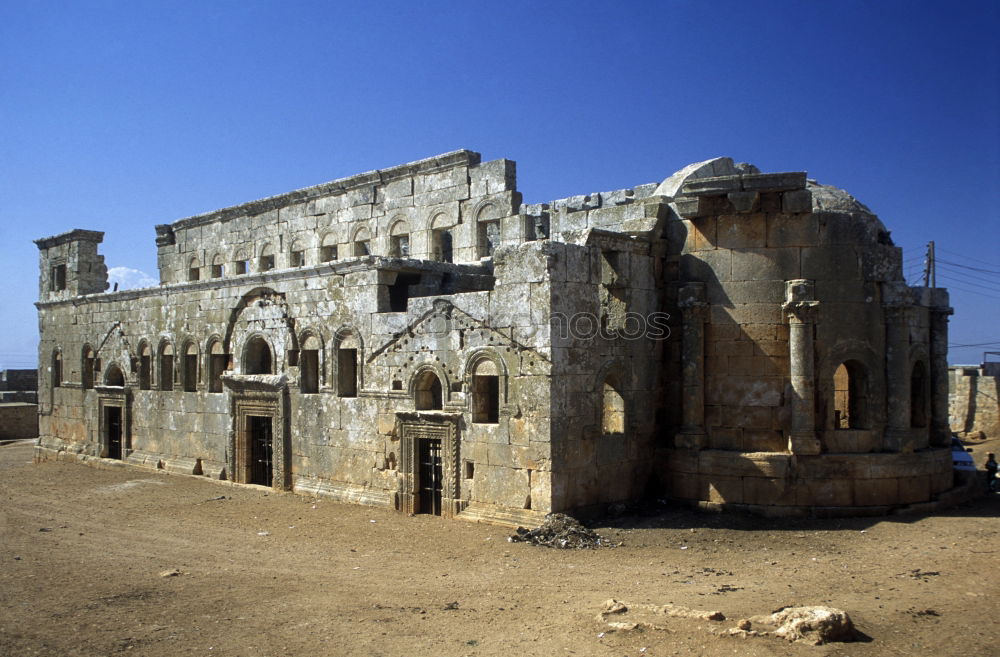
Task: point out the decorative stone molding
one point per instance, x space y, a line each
412 427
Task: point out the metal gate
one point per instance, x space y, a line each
113 424
261 450
430 476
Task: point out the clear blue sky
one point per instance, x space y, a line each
116 116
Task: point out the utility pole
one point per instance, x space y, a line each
930 275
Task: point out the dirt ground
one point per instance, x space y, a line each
84 550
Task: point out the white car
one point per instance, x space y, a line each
960 457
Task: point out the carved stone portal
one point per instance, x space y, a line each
259 444
434 436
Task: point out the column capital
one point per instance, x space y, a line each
801 312
691 301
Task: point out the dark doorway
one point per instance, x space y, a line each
113 422
430 476
261 450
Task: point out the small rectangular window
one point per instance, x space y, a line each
194 274
400 247
217 363
57 278
145 367
328 253
309 371
267 263
486 399
241 267
166 372
347 372
298 258
190 372
217 271
470 470
362 248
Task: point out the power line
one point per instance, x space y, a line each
974 276
976 292
971 281
955 264
975 344
962 255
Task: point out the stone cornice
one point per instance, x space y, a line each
77 234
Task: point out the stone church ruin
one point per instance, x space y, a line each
419 338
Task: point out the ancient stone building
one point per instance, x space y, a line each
419 338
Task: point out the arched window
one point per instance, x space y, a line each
218 266
257 357
918 395
297 254
266 260
850 396
57 369
612 407
348 353
328 250
399 240
309 365
362 242
194 271
87 369
114 376
427 392
190 367
145 367
166 366
241 264
218 361
485 386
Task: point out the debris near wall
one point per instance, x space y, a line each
562 532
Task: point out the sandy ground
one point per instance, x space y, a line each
83 551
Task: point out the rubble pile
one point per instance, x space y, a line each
562 532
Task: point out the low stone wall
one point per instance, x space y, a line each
774 483
18 421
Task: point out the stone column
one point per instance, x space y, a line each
694 311
898 435
940 428
801 307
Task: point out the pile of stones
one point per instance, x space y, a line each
562 532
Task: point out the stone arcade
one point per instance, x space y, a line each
418 338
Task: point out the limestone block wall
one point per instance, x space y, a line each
399 212
972 401
347 447
605 379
